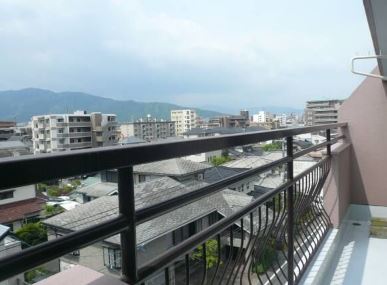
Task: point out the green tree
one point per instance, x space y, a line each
211 253
276 145
265 260
50 210
219 160
32 234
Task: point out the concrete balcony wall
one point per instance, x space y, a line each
337 188
366 113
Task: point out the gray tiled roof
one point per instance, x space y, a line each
300 164
98 189
171 167
105 208
218 173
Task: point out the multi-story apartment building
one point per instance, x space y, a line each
262 117
184 119
321 112
148 129
60 132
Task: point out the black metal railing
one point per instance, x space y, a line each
271 240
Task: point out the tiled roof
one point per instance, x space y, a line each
105 208
171 167
300 164
98 189
218 173
19 210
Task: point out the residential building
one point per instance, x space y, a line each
177 168
7 124
184 120
13 148
232 121
19 205
262 117
61 132
153 237
8 246
321 112
148 129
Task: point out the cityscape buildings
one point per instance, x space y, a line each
61 132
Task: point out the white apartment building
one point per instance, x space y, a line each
262 117
60 132
148 129
185 120
282 120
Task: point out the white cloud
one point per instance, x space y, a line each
252 53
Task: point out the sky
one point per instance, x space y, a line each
220 54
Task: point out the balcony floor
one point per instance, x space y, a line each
349 255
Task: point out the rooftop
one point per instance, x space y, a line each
171 167
20 210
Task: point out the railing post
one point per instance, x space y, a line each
290 202
328 134
126 205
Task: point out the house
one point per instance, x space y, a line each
218 173
177 168
9 245
19 205
154 236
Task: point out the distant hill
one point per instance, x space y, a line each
23 104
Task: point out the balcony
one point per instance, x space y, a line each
289 222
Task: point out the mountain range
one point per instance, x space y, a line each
21 105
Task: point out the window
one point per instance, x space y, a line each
60 131
112 257
60 120
6 195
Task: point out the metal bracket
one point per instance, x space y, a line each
367 74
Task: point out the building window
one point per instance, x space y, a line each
6 195
60 120
112 257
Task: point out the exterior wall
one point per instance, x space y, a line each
154 248
368 136
149 130
19 194
184 119
7 247
322 112
337 188
61 132
204 156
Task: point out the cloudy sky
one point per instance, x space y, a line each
224 53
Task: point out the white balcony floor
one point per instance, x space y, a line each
349 255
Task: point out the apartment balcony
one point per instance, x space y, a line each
79 134
289 221
79 144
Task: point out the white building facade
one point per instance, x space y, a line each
61 132
148 129
185 120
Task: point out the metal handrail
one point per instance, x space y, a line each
92 160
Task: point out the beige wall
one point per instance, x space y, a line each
337 188
366 114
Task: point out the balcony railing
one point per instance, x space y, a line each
287 223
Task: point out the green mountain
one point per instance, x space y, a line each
21 105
